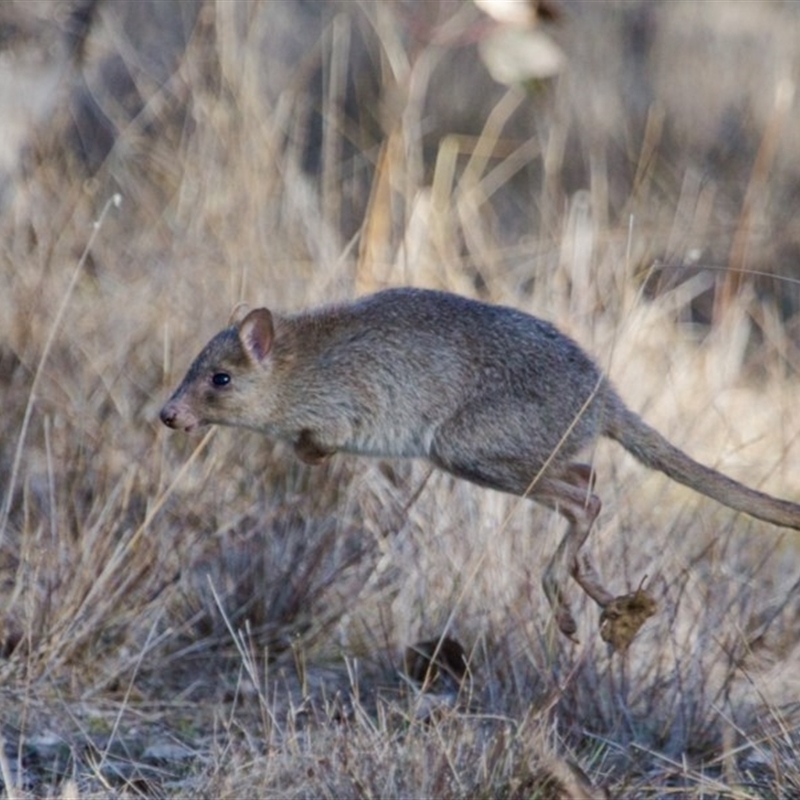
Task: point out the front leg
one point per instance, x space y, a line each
309 450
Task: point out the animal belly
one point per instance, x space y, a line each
391 440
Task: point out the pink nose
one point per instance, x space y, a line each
168 416
176 414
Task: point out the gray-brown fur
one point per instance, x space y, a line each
487 393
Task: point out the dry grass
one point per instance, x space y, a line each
206 617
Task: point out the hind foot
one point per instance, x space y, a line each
566 623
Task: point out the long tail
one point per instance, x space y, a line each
654 451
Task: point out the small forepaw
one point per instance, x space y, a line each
308 450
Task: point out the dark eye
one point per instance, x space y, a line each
220 379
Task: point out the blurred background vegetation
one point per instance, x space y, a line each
180 616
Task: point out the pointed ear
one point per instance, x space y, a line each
256 333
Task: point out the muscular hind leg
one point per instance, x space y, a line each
569 494
580 475
568 491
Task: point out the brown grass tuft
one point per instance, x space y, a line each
206 617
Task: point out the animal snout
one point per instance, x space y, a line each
169 416
179 415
